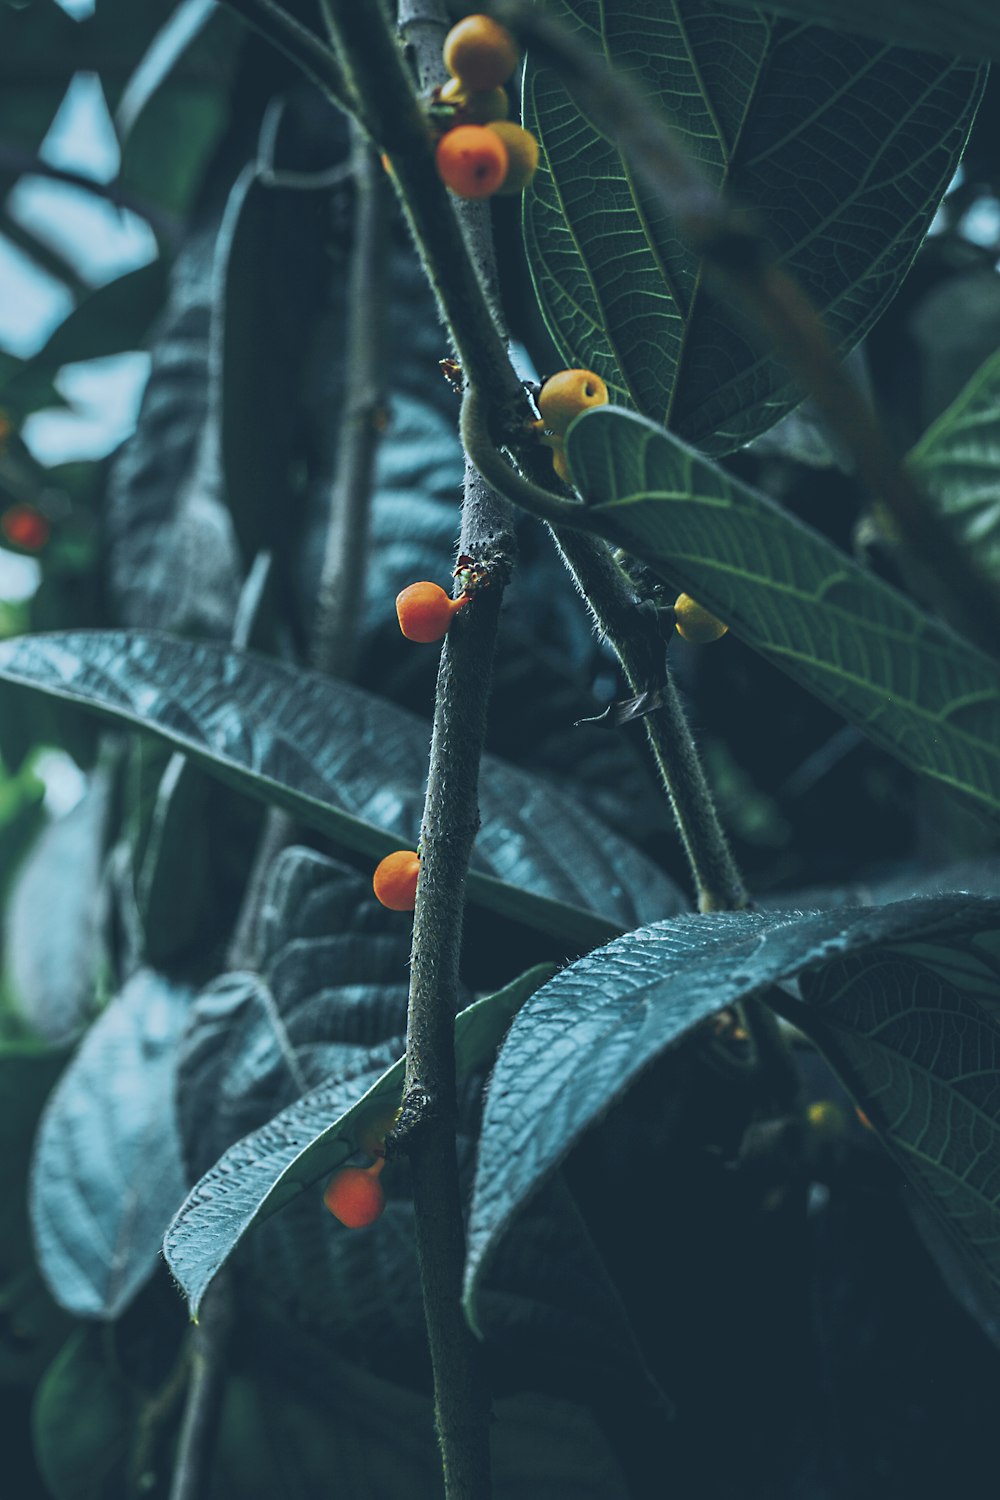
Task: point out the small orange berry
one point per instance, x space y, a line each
565 395
480 52
425 611
695 623
522 156
355 1196
472 161
475 106
395 880
26 527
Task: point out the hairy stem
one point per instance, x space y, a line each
397 123
429 1119
635 637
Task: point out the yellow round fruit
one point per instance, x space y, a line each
480 52
695 623
522 156
565 395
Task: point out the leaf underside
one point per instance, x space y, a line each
904 1000
107 1173
843 146
303 1144
353 766
916 689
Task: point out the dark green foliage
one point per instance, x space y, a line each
107 1173
681 1288
759 106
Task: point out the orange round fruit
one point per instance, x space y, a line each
395 880
425 611
26 527
472 161
565 395
355 1196
522 155
480 53
695 623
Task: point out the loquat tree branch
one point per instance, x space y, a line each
456 253
739 258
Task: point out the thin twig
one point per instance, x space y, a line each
738 255
334 636
301 46
634 634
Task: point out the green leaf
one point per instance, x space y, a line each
351 765
175 102
958 463
173 561
968 27
39 53
309 1140
31 1326
273 272
914 1031
81 1422
330 984
843 147
921 692
185 24
107 1173
111 320
52 966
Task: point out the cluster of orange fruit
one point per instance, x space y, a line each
480 151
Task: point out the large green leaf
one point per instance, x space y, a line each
107 1173
844 147
912 686
52 968
904 1000
81 1421
31 1326
110 320
958 463
309 1140
329 984
175 104
351 765
969 27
